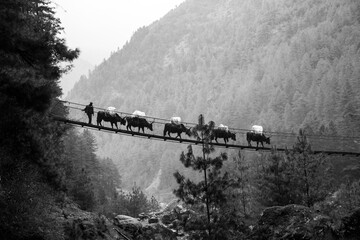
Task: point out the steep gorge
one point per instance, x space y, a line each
282 64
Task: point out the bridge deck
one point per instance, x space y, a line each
185 140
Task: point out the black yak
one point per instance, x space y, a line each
138 122
107 117
220 133
257 137
176 128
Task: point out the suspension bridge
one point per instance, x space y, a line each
78 119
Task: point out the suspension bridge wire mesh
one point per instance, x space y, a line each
236 130
188 141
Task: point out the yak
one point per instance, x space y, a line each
176 128
107 117
220 133
138 122
257 137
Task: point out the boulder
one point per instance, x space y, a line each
168 218
128 224
293 222
350 226
79 224
143 216
153 220
158 231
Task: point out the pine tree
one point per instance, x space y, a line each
210 194
31 53
275 182
311 175
244 193
137 202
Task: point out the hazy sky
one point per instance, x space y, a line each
98 28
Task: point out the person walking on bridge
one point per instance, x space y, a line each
89 110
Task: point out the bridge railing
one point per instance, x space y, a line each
278 139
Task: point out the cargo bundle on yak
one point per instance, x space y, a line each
175 126
109 115
137 120
256 134
222 132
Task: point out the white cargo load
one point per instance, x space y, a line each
223 127
257 129
175 120
138 113
111 110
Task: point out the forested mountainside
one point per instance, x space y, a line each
282 64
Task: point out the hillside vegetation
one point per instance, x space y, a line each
282 64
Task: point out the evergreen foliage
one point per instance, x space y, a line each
210 195
30 143
135 202
244 196
299 177
91 182
41 160
312 179
275 182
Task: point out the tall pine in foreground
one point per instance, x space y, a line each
209 196
30 147
312 178
298 177
275 181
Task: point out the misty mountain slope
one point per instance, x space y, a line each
81 67
282 64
